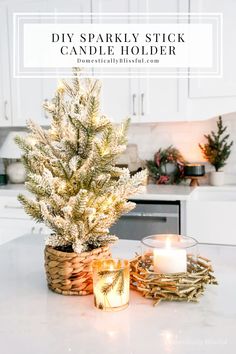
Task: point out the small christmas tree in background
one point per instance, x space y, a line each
217 149
79 192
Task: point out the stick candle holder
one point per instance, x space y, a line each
170 269
111 283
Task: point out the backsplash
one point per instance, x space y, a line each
183 135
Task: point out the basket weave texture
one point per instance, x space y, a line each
71 273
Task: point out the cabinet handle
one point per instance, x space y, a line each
142 104
150 215
5 110
40 230
134 103
32 230
45 114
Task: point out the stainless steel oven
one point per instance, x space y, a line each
148 218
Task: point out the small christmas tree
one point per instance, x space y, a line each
217 149
79 192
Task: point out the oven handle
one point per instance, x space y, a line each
151 215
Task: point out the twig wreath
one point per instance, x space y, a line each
188 286
159 167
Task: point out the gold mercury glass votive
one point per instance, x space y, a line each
111 284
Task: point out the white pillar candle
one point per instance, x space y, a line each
169 260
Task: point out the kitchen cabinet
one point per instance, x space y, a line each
26 93
29 94
49 85
210 215
5 99
158 97
145 100
211 221
172 99
118 99
14 222
193 99
208 97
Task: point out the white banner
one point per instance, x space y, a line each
189 48
112 45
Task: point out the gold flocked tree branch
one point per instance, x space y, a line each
78 191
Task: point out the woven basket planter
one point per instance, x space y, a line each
71 273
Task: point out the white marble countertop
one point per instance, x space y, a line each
164 192
12 190
36 320
149 192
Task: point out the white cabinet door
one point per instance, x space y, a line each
117 100
5 106
144 100
158 97
211 221
209 97
27 94
54 6
14 222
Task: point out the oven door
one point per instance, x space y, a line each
148 218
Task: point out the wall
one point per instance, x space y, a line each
183 135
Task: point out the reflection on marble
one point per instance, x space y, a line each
37 321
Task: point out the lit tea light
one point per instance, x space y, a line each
170 258
111 284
